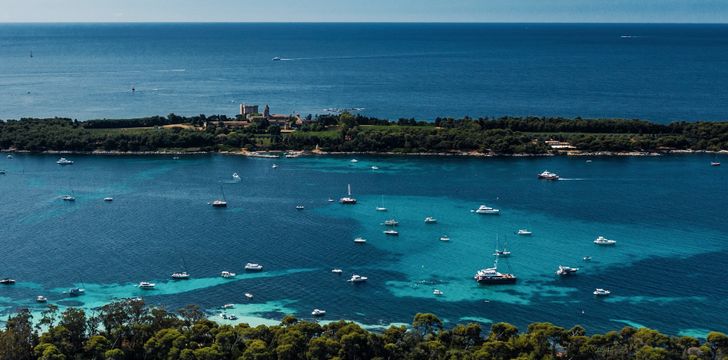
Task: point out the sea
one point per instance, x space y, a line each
661 73
667 214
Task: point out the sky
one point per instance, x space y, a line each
670 11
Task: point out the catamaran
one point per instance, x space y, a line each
220 203
491 276
348 200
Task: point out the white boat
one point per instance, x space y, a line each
604 241
601 292
375 167
354 161
10 156
180 275
502 253
108 199
491 276
524 232
437 292
64 161
236 177
146 285
714 163
299 207
228 274
41 299
360 240
330 200
430 220
444 238
547 175
248 295
587 258
391 222
274 166
68 198
7 281
357 278
337 271
318 312
232 317
348 200
228 306
382 209
566 270
253 267
391 232
486 210
220 203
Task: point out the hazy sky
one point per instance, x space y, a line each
715 11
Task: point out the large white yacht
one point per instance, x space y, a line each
491 276
318 312
181 275
566 270
487 210
360 240
524 232
391 232
253 267
604 241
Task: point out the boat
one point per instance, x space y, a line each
524 232
10 156
224 316
232 317
357 278
589 161
375 167
248 296
180 275
274 166
382 209
502 253
276 58
391 232
220 203
7 281
491 276
236 177
41 299
391 222
360 240
354 161
714 163
144 285
604 241
253 267
299 207
587 258
601 292
444 238
318 312
76 292
566 270
486 210
228 306
2 172
337 271
437 292
547 175
68 198
348 200
64 161
330 200
430 220
108 199
175 157
228 274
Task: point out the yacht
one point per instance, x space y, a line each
437 292
318 312
41 299
587 258
566 270
391 232
382 209
220 203
64 161
601 292
7 281
524 232
348 200
375 167
546 175
354 161
604 241
391 222
248 296
486 210
337 271
236 177
299 207
274 166
180 275
430 220
76 292
108 199
253 267
227 274
360 240
444 238
357 278
68 198
228 306
146 285
330 200
714 163
491 276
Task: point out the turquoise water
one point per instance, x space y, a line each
667 214
657 72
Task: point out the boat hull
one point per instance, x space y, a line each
496 280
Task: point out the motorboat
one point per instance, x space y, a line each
524 232
391 222
41 299
587 258
486 210
299 207
10 156
547 175
64 161
566 270
253 267
232 317
601 292
337 271
382 209
2 172
68 198
491 276
7 281
360 240
228 274
714 163
228 306
604 241
444 238
180 275
348 200
76 292
330 200
276 58
318 312
375 167
354 161
274 166
502 253
108 199
248 296
437 292
430 220
219 203
358 278
144 285
391 232
236 177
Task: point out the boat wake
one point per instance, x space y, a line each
571 179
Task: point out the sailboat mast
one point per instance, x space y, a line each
349 189
223 192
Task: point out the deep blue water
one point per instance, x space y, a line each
667 214
656 72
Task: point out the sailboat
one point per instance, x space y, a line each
348 200
381 206
181 275
501 253
220 203
491 276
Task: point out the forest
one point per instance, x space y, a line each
128 329
356 133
